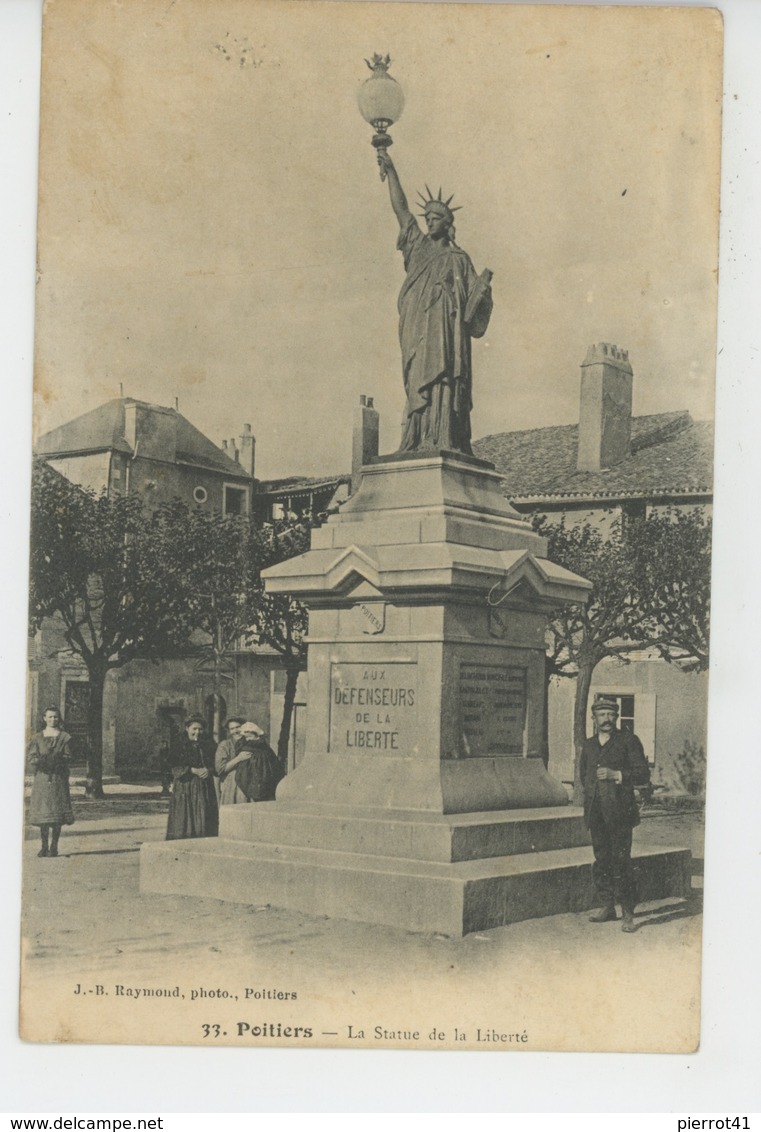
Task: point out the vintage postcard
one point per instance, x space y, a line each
371 525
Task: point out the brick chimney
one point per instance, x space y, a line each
605 415
247 451
364 438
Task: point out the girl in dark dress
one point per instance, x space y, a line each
50 804
193 809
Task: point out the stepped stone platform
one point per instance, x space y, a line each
405 833
450 874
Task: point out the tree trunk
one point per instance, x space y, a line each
284 739
583 684
216 725
94 786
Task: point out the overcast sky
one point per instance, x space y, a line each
213 228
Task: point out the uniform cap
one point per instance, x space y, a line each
605 703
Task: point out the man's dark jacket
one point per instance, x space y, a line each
623 752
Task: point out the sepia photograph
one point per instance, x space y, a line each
371 526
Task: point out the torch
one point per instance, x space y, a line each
381 102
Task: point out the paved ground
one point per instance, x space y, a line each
87 925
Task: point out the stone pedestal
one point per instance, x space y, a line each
422 800
427 596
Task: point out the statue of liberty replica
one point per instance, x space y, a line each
443 303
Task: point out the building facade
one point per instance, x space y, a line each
609 467
132 447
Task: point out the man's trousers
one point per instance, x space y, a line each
612 870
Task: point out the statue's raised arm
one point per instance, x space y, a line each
395 190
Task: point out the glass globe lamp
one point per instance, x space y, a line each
381 100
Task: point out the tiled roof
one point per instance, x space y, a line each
103 429
300 483
671 455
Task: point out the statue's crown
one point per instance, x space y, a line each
438 204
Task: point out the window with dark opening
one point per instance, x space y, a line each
236 499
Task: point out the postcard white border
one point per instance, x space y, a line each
723 1075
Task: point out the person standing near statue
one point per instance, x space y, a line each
612 763
225 761
50 803
443 303
193 807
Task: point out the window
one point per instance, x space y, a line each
633 509
200 494
626 712
236 500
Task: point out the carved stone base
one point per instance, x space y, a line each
452 877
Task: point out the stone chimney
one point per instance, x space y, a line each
247 452
605 415
364 438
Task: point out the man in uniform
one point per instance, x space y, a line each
612 764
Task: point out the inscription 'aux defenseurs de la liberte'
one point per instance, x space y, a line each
371 706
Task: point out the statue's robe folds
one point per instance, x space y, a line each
435 341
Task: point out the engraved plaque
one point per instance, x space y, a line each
492 709
373 708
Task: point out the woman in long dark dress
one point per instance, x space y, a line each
50 804
193 809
